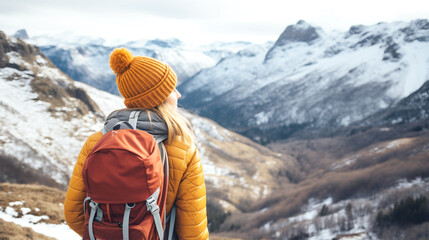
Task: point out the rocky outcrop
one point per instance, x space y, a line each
23 50
55 89
417 31
300 32
21 34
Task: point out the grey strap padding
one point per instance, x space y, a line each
94 206
134 116
99 214
103 130
126 220
127 126
159 138
84 204
148 121
164 159
152 206
172 218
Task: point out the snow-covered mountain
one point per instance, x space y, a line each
48 116
87 60
21 34
410 109
311 78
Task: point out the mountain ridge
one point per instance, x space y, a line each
338 79
86 59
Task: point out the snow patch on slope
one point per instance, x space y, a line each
60 232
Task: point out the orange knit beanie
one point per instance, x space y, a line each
144 82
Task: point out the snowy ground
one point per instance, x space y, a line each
62 231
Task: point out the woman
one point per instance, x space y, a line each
146 83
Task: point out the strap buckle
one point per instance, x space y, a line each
93 205
151 205
154 209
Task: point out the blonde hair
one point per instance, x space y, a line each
177 124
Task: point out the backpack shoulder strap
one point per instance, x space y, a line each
172 215
154 210
134 116
126 220
172 218
94 206
131 123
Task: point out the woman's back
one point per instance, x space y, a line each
149 85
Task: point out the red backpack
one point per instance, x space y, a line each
126 185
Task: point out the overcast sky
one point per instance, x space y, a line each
197 21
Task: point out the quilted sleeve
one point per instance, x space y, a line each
191 200
73 203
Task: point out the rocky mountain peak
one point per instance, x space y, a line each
300 32
21 34
51 85
422 24
169 43
22 49
417 30
356 29
3 47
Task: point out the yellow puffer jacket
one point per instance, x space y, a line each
186 188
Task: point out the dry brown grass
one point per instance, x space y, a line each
317 155
214 237
14 171
372 172
11 231
344 185
253 170
48 200
347 236
58 95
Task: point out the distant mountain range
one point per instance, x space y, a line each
307 79
310 79
87 60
